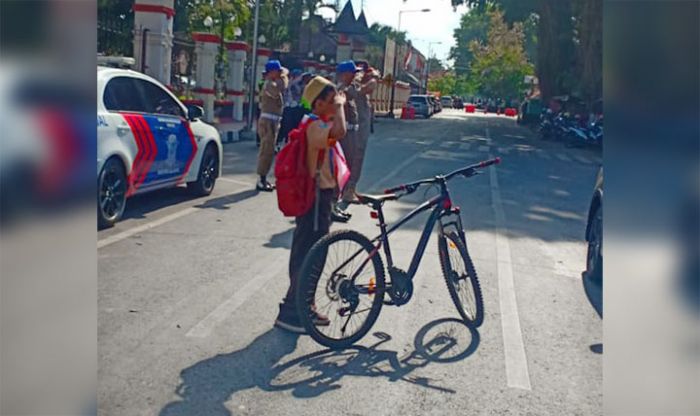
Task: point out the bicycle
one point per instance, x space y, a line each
336 266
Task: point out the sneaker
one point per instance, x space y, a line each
289 321
339 215
320 320
264 186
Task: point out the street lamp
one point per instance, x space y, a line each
237 32
262 39
310 55
322 58
427 71
393 73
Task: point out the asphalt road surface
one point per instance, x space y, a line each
189 288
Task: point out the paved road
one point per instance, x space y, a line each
188 291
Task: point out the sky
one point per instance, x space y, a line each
422 28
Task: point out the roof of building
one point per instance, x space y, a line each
346 22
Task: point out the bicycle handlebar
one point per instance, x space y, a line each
411 187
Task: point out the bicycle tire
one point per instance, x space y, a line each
310 275
456 245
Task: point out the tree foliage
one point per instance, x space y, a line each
562 37
474 25
500 65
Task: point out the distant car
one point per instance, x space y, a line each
594 231
422 105
446 102
458 103
147 140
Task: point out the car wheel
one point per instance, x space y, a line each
111 193
594 257
206 178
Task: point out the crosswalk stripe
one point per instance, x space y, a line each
582 160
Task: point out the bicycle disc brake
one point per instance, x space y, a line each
401 288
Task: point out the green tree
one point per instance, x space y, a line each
444 84
500 65
473 25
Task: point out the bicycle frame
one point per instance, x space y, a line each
441 207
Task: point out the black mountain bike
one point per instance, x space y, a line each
343 276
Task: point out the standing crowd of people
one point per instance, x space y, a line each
328 113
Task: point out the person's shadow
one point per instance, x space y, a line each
208 384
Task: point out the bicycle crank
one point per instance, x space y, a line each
401 289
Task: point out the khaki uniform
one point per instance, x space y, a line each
364 111
350 144
271 104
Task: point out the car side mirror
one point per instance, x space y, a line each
194 112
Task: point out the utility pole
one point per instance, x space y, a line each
393 71
253 69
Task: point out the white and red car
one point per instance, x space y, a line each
147 140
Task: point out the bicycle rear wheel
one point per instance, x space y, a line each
461 279
326 289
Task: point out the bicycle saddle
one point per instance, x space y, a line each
375 199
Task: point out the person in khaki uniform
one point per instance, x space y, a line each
326 122
358 115
271 103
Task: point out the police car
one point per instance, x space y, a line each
147 140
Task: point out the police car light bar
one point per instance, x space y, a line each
116 61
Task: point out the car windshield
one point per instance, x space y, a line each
417 100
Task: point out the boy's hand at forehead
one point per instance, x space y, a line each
339 98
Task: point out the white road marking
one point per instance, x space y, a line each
484 148
222 312
465 146
563 157
582 159
236 181
157 222
504 150
446 144
517 375
143 227
382 182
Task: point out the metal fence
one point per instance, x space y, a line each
114 32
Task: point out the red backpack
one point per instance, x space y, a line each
295 185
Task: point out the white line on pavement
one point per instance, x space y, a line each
222 312
517 375
236 181
484 148
582 159
465 146
155 223
377 185
563 157
143 227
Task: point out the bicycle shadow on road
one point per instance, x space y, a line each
210 383
445 340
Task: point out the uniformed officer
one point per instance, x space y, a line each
346 72
271 103
358 115
368 82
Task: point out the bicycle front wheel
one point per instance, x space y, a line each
341 289
461 279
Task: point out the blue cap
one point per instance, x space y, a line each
346 66
273 65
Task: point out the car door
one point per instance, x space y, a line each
174 143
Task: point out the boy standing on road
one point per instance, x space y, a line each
326 122
271 103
